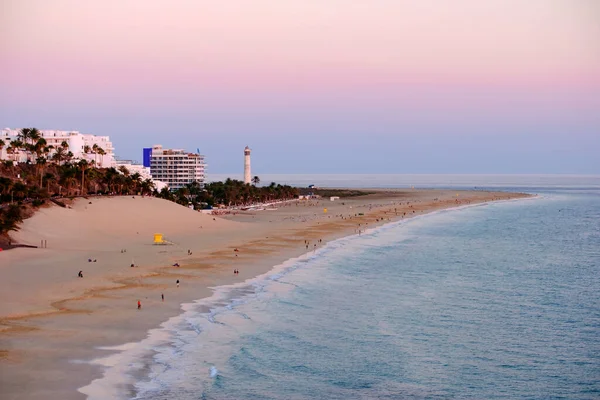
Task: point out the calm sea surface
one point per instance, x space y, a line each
485 302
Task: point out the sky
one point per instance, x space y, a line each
315 86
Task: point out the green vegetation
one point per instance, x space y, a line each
229 193
334 192
10 216
24 187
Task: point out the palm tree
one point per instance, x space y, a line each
19 190
256 180
40 147
121 180
40 164
6 185
95 152
14 147
83 166
147 186
93 175
100 151
69 157
27 137
182 196
59 155
41 150
166 194
67 178
50 178
123 169
110 177
86 150
136 182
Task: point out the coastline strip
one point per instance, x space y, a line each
120 374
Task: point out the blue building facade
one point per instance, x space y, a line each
147 154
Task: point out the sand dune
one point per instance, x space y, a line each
98 229
101 222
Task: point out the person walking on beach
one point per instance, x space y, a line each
80 274
162 296
139 305
177 282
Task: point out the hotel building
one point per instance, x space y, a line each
175 167
77 142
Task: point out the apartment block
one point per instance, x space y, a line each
175 167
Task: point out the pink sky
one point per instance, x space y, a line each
339 43
506 60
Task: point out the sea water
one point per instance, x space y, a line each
492 301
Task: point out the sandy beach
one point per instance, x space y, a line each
52 321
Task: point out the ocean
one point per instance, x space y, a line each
492 301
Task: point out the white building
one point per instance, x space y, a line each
176 167
144 172
76 141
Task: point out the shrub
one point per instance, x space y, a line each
9 218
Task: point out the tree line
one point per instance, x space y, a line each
56 174
24 186
229 193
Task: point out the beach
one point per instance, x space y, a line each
53 322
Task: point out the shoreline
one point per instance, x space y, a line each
143 350
268 255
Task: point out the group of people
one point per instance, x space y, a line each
236 271
162 295
307 242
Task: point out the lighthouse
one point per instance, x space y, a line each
247 172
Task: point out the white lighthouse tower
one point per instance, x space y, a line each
247 172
